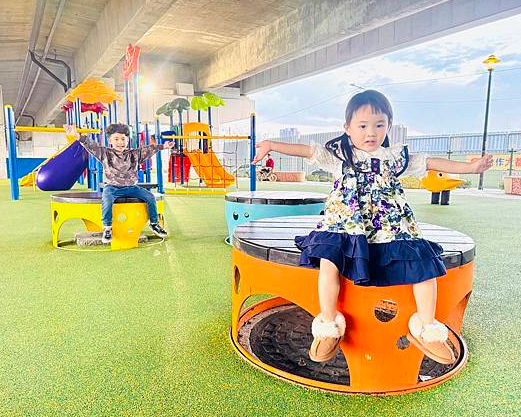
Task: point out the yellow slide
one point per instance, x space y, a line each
209 169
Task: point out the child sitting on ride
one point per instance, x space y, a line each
268 168
368 233
120 171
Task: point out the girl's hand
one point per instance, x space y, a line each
70 131
168 145
480 165
262 150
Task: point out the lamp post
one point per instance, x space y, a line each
490 61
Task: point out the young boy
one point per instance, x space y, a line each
120 169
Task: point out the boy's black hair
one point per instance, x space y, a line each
341 146
118 128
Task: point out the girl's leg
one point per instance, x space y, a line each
429 335
328 289
329 326
425 294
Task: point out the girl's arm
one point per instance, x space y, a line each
266 146
454 167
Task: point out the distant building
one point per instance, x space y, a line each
289 132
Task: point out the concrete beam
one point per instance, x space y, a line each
164 75
315 25
122 22
432 23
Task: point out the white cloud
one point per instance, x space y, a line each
316 103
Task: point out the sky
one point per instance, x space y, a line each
436 87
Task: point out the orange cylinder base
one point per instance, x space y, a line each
377 365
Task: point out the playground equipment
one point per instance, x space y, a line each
60 171
206 164
129 214
185 154
195 143
376 357
30 178
245 206
440 182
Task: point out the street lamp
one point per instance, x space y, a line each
490 61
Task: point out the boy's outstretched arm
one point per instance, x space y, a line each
454 167
266 146
147 152
92 147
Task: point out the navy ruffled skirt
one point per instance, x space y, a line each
399 262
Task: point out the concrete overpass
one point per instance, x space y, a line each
247 44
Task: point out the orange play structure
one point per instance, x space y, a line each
380 361
206 165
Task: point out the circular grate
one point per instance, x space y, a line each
281 337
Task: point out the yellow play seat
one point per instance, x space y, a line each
129 216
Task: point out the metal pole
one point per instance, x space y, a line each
135 85
173 155
205 142
77 121
99 166
253 178
105 125
12 165
137 142
126 89
511 166
159 162
147 163
484 144
199 121
114 112
103 141
91 178
181 150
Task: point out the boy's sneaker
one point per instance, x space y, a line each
158 230
106 235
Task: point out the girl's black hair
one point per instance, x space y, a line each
118 128
341 146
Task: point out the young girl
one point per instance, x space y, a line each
368 233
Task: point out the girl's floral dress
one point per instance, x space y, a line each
368 230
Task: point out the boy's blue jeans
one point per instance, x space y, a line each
111 192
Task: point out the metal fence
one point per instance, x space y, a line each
505 147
